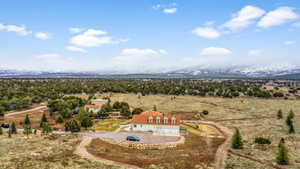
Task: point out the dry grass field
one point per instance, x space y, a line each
38 152
194 154
254 117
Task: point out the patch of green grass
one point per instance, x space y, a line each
108 125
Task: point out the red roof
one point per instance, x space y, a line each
91 106
144 118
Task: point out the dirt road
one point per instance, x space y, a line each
25 111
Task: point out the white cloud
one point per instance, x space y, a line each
93 38
142 52
42 35
215 51
207 32
157 6
244 17
289 42
209 23
20 30
296 25
277 17
76 49
75 30
170 10
255 52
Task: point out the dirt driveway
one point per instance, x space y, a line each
145 138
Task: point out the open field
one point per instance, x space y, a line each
108 125
37 152
254 117
195 153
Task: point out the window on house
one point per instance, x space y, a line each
165 120
157 119
150 119
173 120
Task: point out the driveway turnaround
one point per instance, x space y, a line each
145 138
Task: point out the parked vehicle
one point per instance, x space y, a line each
132 138
5 125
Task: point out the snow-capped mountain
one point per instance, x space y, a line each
272 70
230 71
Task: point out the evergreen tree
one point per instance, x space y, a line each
27 130
72 125
137 111
13 128
1 131
46 128
86 122
291 114
154 108
279 114
282 154
34 131
291 128
289 120
43 120
59 119
125 111
27 120
237 142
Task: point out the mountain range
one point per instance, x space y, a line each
201 71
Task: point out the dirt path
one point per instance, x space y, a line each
253 159
221 154
81 151
26 111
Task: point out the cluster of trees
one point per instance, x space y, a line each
282 157
289 120
22 93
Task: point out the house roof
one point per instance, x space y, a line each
143 118
91 106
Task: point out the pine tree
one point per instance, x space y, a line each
59 119
288 120
27 130
291 114
291 128
237 142
13 128
279 114
1 131
27 120
46 128
43 120
282 154
154 108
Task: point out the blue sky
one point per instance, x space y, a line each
147 35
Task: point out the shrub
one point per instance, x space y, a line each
282 154
237 142
261 140
72 125
205 112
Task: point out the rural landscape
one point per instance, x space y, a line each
150 84
57 128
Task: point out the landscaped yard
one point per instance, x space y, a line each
108 125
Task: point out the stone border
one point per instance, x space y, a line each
142 146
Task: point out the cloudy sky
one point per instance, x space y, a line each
147 35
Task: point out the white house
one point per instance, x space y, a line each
156 122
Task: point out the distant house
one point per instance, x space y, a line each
157 123
95 105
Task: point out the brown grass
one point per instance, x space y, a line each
195 152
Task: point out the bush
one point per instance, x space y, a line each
261 140
205 112
72 126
